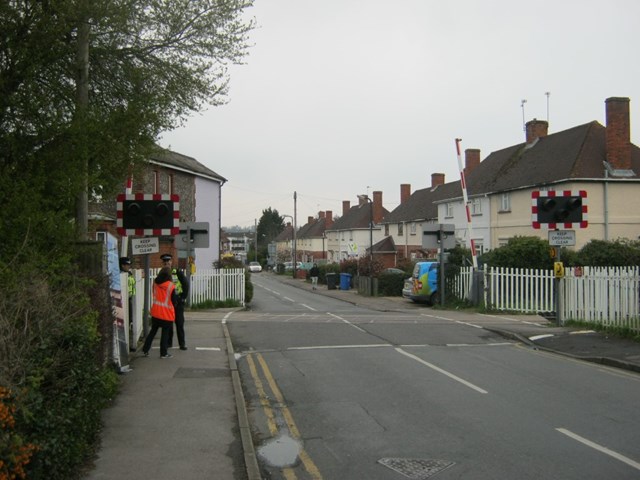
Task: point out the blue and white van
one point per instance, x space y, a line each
425 283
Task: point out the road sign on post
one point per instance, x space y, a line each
193 235
141 246
438 235
559 209
562 238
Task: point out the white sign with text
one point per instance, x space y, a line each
141 246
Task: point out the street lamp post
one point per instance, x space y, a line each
366 197
293 251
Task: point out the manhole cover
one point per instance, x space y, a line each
417 468
200 372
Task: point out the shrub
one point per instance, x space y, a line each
521 252
213 304
391 284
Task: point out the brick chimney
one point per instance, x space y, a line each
320 214
618 133
437 179
346 205
377 207
309 220
536 129
328 219
471 159
405 192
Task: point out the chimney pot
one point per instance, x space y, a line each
471 159
618 133
377 207
437 179
405 192
536 129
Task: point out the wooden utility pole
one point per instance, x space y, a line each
82 105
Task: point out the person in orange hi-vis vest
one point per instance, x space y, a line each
163 312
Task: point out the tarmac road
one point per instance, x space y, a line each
184 417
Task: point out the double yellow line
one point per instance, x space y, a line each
288 472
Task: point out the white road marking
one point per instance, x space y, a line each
224 320
307 306
346 321
600 448
290 299
440 370
540 337
208 349
451 320
331 347
502 317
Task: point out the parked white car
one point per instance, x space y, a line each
288 266
255 267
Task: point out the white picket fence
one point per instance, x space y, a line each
600 295
217 285
205 285
213 284
607 296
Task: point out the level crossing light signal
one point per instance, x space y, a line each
146 214
559 209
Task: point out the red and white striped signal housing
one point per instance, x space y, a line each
561 209
148 214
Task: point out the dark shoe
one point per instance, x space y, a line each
183 347
145 354
168 355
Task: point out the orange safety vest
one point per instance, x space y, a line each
162 307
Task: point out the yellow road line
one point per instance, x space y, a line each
264 401
309 465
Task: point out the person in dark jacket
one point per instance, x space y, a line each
163 312
182 291
314 273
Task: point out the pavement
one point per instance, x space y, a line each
185 417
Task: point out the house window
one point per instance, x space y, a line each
476 206
479 247
505 202
101 236
156 182
449 212
400 229
386 230
171 183
412 228
502 242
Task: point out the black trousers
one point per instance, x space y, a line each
179 327
167 329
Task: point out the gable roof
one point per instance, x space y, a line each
576 153
313 229
386 245
357 217
285 235
177 161
421 205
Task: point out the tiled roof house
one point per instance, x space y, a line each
311 244
599 160
199 189
349 236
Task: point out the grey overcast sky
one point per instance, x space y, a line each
345 97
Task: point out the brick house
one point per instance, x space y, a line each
199 189
349 236
600 160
